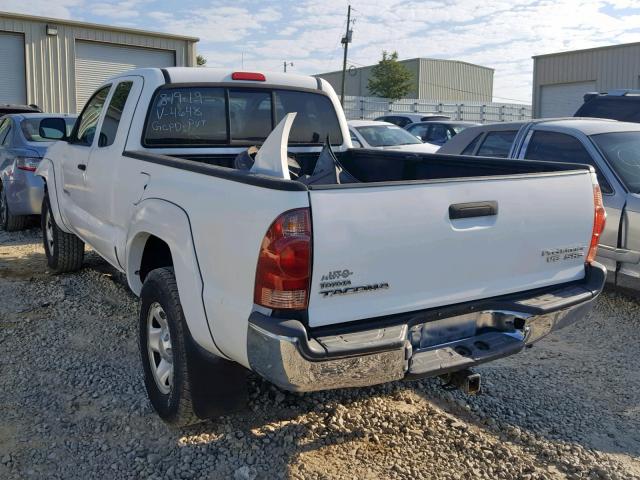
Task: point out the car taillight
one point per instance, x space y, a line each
253 76
599 220
27 163
284 262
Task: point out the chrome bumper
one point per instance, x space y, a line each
283 352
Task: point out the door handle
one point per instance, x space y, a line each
82 166
473 209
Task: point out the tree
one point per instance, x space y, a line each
201 61
389 78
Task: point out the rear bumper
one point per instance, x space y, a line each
404 346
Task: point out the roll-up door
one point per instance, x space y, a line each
12 79
95 62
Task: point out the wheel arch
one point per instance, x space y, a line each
159 233
46 170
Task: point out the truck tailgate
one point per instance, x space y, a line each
381 250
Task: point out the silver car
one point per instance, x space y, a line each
21 149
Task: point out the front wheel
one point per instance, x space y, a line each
162 337
65 251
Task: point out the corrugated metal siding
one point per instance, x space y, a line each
357 79
610 68
97 61
446 80
50 60
442 80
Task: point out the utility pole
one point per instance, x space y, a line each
285 63
346 40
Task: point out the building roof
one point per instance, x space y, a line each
413 60
593 49
97 26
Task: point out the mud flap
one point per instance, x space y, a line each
218 386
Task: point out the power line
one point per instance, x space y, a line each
346 40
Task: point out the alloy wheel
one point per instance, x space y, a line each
49 234
159 348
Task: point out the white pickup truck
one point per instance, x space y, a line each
315 265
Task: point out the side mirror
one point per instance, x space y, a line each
356 143
53 128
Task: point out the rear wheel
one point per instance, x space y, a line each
8 221
162 338
65 251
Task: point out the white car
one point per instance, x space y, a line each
258 239
386 136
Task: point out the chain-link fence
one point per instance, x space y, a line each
372 107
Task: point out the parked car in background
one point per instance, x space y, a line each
8 108
438 132
386 136
21 149
612 148
623 105
404 119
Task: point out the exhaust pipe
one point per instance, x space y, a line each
465 380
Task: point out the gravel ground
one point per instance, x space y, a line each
72 401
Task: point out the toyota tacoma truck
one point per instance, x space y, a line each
258 240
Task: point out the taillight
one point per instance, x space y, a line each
253 76
284 263
27 163
599 220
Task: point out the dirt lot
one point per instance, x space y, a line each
72 402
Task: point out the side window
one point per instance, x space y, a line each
403 121
497 144
560 147
468 150
354 140
89 117
419 131
5 126
114 112
439 133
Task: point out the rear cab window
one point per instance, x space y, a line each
497 144
192 116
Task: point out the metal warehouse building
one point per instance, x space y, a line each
560 80
56 64
434 79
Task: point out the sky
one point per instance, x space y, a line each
261 35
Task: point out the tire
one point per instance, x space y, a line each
8 221
168 384
65 251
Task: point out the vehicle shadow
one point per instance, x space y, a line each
576 388
573 392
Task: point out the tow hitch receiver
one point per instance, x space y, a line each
465 380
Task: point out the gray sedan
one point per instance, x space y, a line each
612 148
21 149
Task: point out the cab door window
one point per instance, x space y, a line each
111 121
88 120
